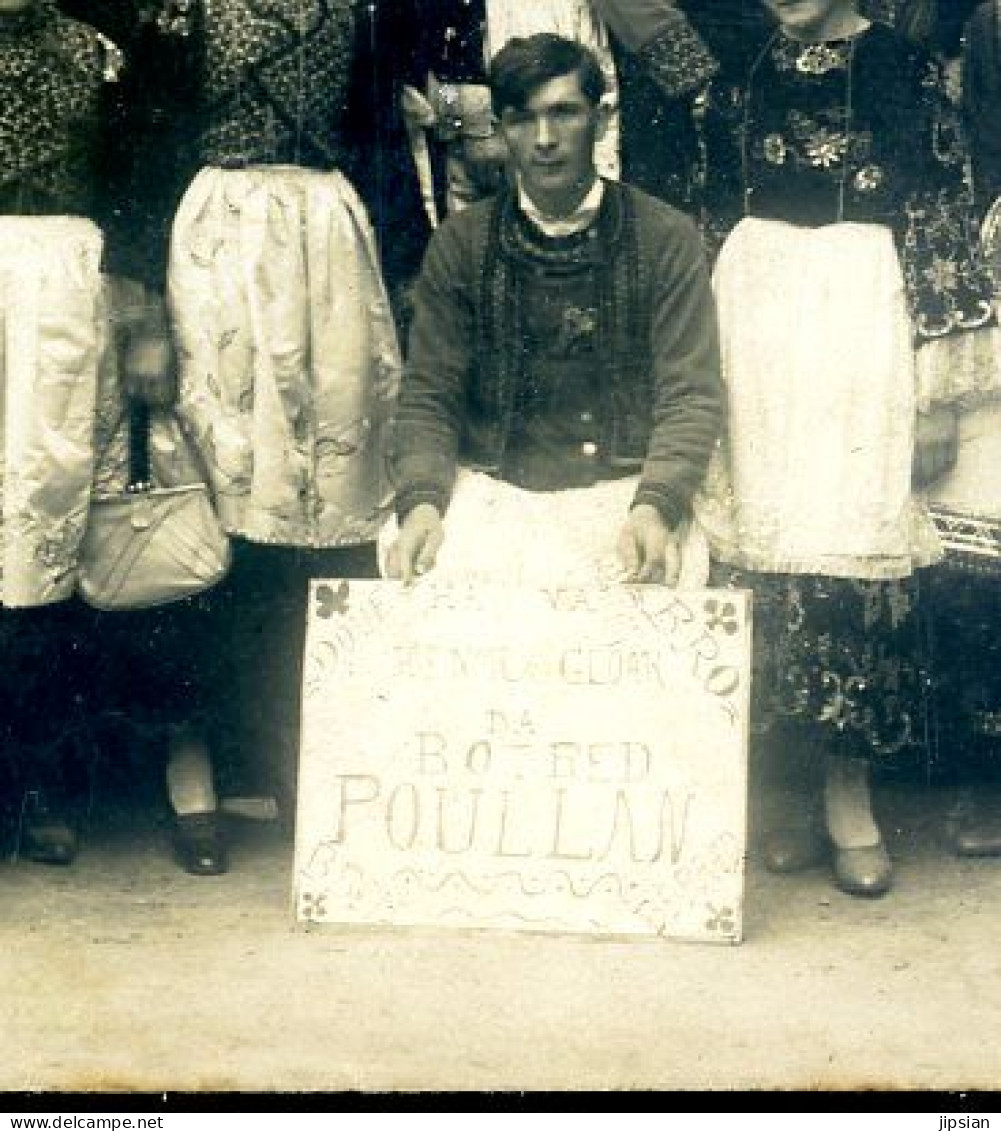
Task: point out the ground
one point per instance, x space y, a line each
124 973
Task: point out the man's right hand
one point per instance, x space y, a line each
417 544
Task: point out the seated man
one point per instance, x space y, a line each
563 351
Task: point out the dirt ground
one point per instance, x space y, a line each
124 973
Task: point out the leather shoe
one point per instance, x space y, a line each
978 834
793 849
863 871
198 844
48 835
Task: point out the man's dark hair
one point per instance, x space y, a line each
524 65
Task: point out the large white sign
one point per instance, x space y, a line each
549 759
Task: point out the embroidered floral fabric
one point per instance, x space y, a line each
288 355
51 308
842 653
853 130
678 59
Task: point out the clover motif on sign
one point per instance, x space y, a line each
721 920
721 616
313 905
330 601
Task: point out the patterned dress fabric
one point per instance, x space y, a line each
666 38
860 130
288 354
275 80
53 78
966 609
62 416
51 346
845 656
965 595
835 184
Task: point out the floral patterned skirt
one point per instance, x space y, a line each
51 351
289 363
844 654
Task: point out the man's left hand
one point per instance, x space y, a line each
648 550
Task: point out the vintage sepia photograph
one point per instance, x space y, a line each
500 547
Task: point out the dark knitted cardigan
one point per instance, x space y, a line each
661 386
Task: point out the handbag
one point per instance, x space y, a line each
147 545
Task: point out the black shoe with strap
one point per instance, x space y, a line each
199 845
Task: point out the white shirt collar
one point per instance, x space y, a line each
580 219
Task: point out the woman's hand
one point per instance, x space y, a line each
936 444
146 360
149 372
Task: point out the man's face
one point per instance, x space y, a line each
807 18
551 142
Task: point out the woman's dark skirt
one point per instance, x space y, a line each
845 656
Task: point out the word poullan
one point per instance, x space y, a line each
641 825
